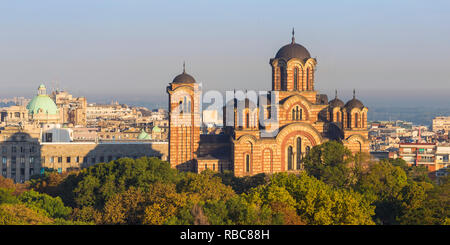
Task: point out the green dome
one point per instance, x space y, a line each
143 136
44 103
156 129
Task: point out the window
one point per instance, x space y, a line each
289 156
282 78
68 160
247 163
4 159
14 149
52 159
299 152
308 76
296 78
102 159
59 159
31 159
214 167
247 120
4 149
206 166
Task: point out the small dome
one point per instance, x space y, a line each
354 103
336 102
42 103
143 135
183 78
156 129
293 50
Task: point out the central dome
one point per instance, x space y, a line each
42 103
293 50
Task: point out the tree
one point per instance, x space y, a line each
383 185
320 204
53 206
329 162
19 214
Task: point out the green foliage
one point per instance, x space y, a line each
20 214
94 186
320 204
329 163
6 196
334 190
53 206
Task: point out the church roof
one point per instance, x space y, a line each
293 50
42 103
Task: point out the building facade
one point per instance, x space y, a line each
296 118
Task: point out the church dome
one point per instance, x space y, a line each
336 102
42 103
354 103
183 78
293 50
143 135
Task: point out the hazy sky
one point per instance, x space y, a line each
133 49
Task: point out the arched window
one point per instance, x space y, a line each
356 120
299 152
296 78
180 107
282 78
247 120
308 76
247 163
293 113
349 120
301 115
290 156
307 150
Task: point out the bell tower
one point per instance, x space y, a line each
184 121
293 68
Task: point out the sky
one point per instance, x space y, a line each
391 52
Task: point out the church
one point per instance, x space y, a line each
270 134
